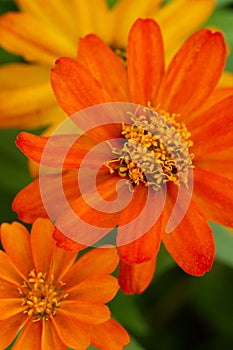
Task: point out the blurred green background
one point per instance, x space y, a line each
177 311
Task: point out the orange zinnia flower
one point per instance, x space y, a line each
54 301
202 117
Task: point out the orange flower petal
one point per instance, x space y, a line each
10 307
93 224
50 150
66 243
137 277
20 253
55 333
142 249
91 313
214 124
75 87
43 244
217 95
62 261
8 271
30 337
106 260
8 290
96 289
213 193
20 35
144 242
29 210
109 335
218 163
131 12
105 66
191 244
145 61
9 329
202 55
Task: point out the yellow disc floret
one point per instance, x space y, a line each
156 150
40 296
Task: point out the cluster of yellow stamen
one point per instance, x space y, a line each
156 150
41 297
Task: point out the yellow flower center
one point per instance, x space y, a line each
156 150
41 297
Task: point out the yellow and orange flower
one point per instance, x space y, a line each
188 99
43 31
54 301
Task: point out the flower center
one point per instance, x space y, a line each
41 297
156 150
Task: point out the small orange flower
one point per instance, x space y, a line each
55 301
186 96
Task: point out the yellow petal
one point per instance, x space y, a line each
60 16
93 16
125 13
226 80
26 98
179 18
27 36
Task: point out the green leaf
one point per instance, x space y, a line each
111 3
125 309
224 244
223 3
7 5
14 174
134 345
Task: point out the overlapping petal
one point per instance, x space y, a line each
9 327
15 232
191 243
75 87
182 90
136 278
103 63
20 35
132 12
213 194
191 15
101 335
106 260
145 59
70 330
